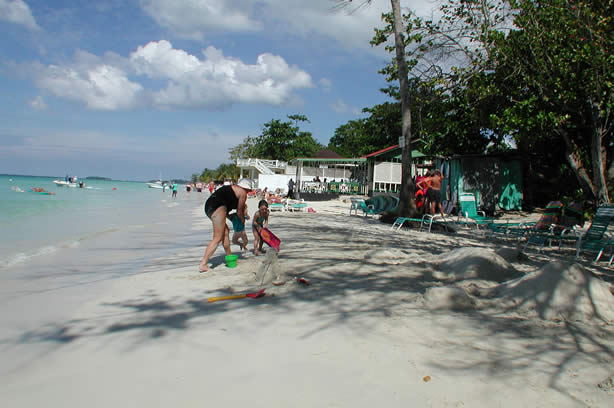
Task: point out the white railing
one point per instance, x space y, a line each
274 164
263 166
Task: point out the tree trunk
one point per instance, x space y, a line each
406 202
609 153
575 161
599 157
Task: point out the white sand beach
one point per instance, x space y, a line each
392 319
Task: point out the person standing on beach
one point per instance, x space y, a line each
433 195
174 190
217 207
290 188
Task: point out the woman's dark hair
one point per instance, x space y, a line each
263 202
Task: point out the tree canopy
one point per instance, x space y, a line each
279 140
223 171
538 72
380 129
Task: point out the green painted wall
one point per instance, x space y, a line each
496 182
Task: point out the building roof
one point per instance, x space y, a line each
392 152
340 160
380 151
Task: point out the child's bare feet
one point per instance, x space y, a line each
256 252
203 268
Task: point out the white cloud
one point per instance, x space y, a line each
18 12
38 103
194 18
101 87
341 107
215 81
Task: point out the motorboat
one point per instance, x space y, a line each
64 183
157 184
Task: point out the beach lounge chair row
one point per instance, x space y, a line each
562 228
374 205
532 230
289 205
469 215
553 225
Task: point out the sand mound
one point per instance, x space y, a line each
561 290
387 256
475 263
448 298
511 254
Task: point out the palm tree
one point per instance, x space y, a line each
406 202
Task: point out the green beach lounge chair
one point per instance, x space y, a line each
437 219
359 204
469 214
549 226
595 239
400 221
277 207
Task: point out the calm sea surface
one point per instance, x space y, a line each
128 214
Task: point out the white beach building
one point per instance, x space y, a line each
329 173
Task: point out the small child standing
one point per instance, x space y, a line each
259 221
239 237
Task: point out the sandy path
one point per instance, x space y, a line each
360 335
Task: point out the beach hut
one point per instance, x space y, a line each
494 179
384 168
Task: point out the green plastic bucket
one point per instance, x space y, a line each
231 261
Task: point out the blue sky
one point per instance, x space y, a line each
134 89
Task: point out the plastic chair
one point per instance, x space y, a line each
469 211
595 239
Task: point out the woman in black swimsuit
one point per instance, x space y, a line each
217 207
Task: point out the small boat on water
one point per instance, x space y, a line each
67 182
62 183
157 184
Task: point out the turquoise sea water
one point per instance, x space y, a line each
36 225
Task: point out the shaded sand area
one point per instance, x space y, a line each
382 318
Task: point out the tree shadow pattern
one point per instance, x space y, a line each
346 283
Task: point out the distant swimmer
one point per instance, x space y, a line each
40 190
